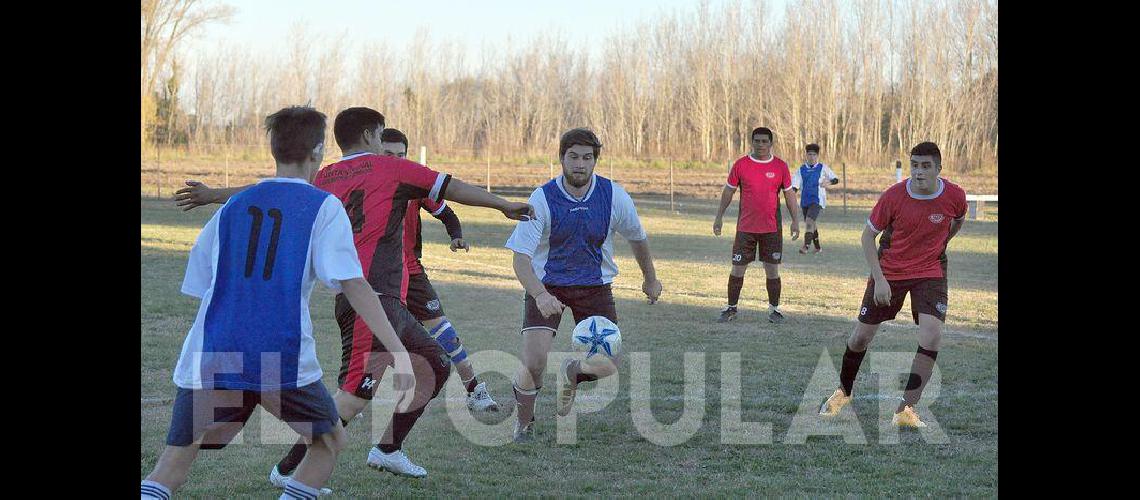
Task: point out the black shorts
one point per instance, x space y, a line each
769 246
583 301
423 303
927 296
220 414
812 211
364 358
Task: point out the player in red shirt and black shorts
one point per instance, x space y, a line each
761 177
917 218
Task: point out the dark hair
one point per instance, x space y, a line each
764 131
928 149
579 136
812 148
394 135
352 122
294 133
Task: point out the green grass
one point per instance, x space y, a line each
821 294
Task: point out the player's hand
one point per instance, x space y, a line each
458 243
717 226
652 289
195 194
795 230
518 211
882 293
548 304
405 381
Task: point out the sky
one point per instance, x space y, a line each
263 25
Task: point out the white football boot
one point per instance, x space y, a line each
480 400
279 480
396 462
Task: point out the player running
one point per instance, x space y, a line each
917 219
564 258
760 176
812 201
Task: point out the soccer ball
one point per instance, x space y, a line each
596 335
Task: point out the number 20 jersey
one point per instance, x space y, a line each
254 266
375 191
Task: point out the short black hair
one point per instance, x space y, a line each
352 122
928 149
294 133
812 148
764 131
579 136
394 135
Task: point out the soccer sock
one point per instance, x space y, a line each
297 453
296 490
807 239
851 362
524 399
735 283
773 292
398 430
815 239
575 371
470 384
151 489
920 370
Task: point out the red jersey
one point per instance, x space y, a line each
916 229
375 191
413 239
761 183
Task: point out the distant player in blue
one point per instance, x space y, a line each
564 258
812 178
254 266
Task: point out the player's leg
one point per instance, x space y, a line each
816 211
169 472
312 413
770 247
586 302
537 341
743 252
928 307
867 324
431 367
809 228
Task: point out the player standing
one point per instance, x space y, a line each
564 258
761 177
813 201
917 219
254 266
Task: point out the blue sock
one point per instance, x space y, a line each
151 489
295 490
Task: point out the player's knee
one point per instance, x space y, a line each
447 338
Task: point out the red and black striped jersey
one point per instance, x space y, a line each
375 191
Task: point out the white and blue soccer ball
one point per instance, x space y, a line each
596 336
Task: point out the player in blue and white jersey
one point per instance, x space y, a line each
564 258
254 266
812 178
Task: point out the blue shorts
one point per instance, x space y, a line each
220 414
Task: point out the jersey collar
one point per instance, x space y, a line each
293 180
937 193
765 162
593 183
356 155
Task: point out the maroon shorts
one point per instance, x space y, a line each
583 301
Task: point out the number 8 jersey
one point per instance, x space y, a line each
254 266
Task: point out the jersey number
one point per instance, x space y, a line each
355 209
255 237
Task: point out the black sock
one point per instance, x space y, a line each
807 239
773 291
289 464
735 283
401 425
471 384
575 370
815 239
920 370
851 362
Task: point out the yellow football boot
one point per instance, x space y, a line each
907 418
833 404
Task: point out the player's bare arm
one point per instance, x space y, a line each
196 194
955 225
725 200
792 200
651 286
462 192
871 254
363 300
548 304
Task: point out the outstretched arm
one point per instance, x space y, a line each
462 192
196 194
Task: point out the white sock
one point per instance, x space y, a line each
295 490
151 489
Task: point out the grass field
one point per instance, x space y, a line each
780 378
